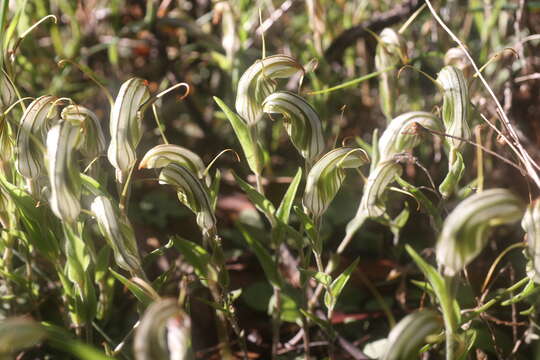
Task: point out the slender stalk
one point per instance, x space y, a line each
122 343
276 322
305 321
3 17
158 123
7 260
378 297
449 334
330 267
151 13
254 135
108 340
276 315
221 323
125 191
236 328
483 148
348 237
258 182
497 260
220 296
88 332
304 284
495 300
449 318
352 82
320 268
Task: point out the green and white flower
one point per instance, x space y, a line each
327 175
259 81
125 126
465 230
35 122
301 122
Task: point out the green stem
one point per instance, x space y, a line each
3 17
276 322
125 191
7 260
254 135
221 323
159 125
450 321
151 13
219 294
320 268
496 299
276 315
89 333
258 181
305 320
332 265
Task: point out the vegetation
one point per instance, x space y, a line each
270 179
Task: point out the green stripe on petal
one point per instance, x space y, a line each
455 113
390 51
165 154
64 175
327 175
8 94
192 193
456 109
301 122
378 180
259 81
465 230
410 334
34 124
372 203
164 332
119 234
125 126
401 135
93 140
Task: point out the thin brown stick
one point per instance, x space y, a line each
485 149
377 22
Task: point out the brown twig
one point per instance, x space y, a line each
502 158
377 22
497 321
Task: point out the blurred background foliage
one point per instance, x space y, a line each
209 44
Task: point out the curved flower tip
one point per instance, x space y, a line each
326 177
164 332
411 333
465 230
259 81
64 175
125 126
93 139
301 122
35 122
456 108
402 134
162 155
